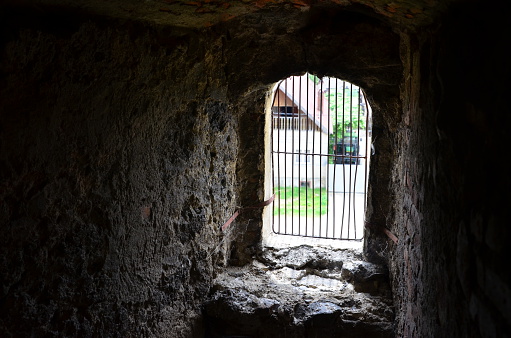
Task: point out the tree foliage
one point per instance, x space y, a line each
348 112
347 109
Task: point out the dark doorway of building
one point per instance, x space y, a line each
320 147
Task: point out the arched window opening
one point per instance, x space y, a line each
320 149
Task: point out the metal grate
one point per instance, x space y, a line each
320 139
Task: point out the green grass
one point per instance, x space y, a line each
300 201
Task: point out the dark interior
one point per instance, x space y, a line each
131 131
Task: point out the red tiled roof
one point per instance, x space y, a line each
303 92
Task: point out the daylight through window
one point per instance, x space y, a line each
321 136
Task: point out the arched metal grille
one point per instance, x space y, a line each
320 142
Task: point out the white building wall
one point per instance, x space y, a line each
293 169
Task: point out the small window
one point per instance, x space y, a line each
305 184
320 161
285 111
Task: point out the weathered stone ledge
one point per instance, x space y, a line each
302 292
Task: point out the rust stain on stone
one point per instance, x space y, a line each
262 3
204 10
146 212
226 17
299 3
192 3
416 10
391 8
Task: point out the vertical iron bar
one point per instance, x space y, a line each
313 147
343 158
320 110
306 145
278 155
286 156
274 161
335 158
320 99
350 158
292 150
328 158
300 127
335 161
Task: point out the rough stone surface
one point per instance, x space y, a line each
130 131
449 263
207 13
302 292
116 172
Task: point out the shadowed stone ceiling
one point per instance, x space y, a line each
204 13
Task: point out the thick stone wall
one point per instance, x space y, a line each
264 47
117 166
451 180
125 146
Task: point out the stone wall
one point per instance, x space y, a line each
117 165
264 47
451 181
124 146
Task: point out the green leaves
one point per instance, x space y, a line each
346 109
